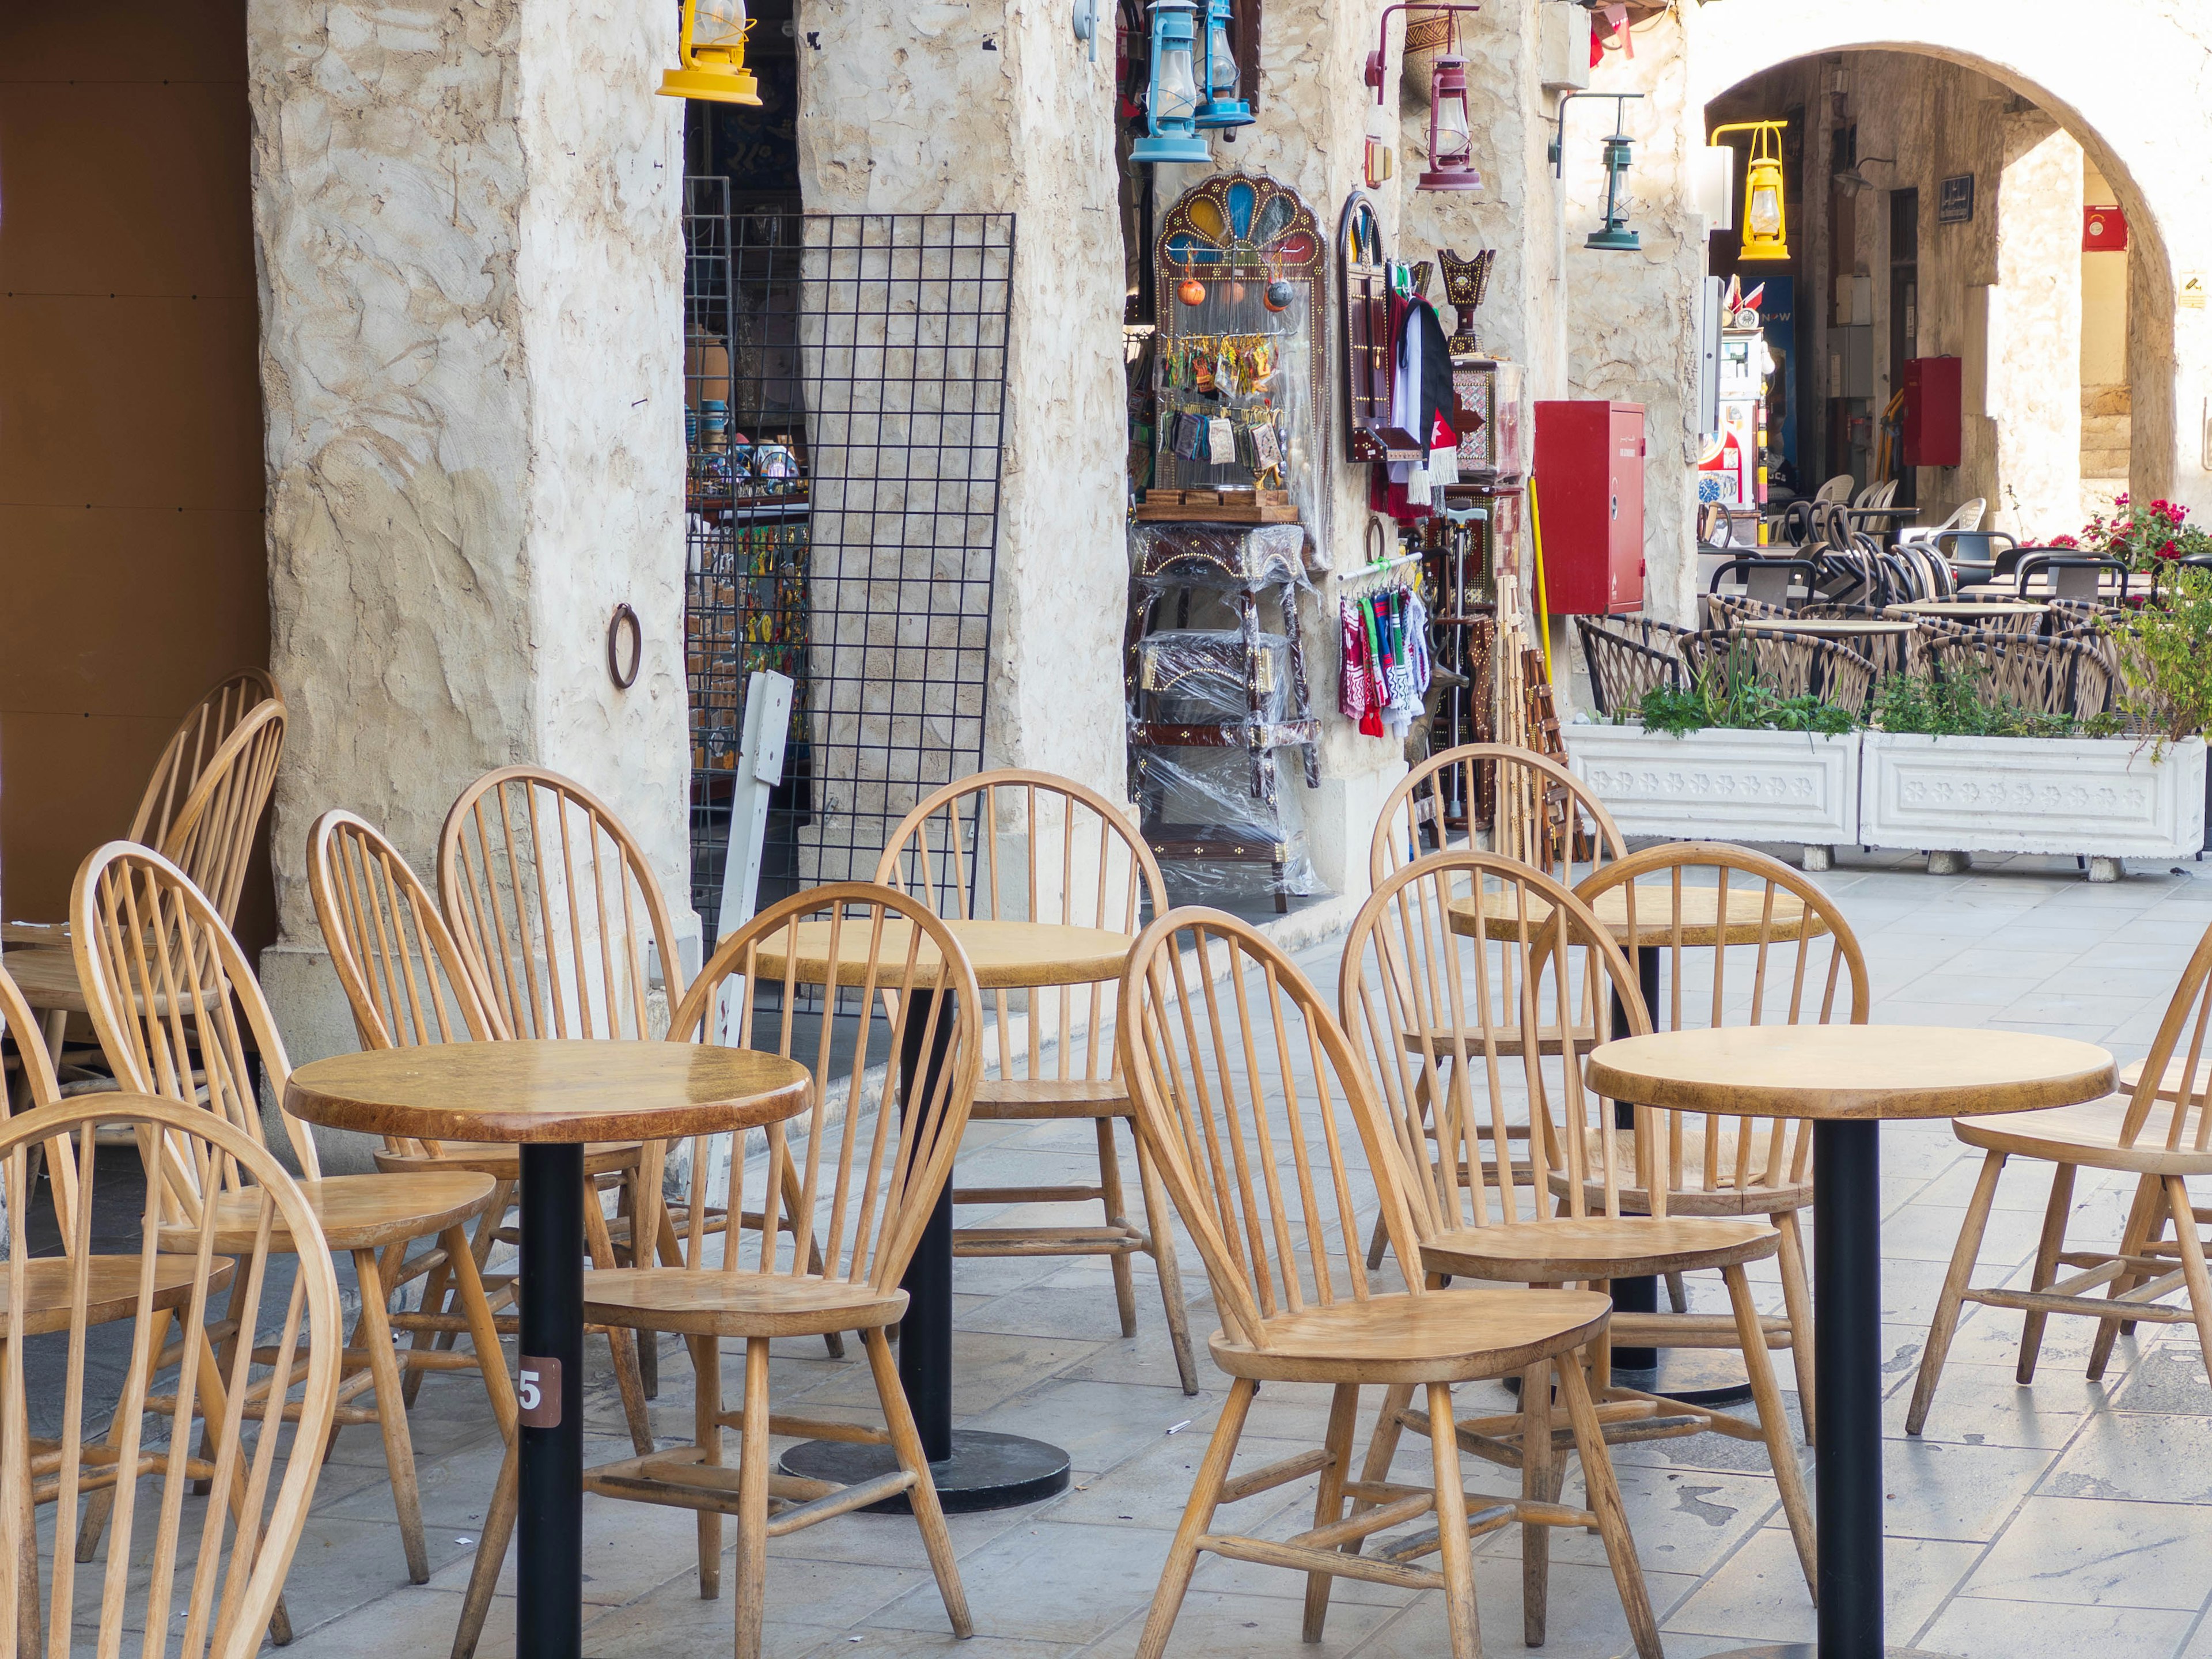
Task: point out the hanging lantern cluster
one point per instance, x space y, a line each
712 44
1451 136
1193 83
1222 110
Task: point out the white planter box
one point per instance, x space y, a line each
2098 797
1723 785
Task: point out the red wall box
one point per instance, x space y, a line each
1589 484
1932 421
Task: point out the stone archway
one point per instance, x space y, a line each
2117 88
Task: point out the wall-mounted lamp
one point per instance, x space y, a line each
1451 137
712 44
1172 103
1766 223
1852 181
1222 108
1613 236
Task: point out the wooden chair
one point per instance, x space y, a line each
1270 1141
167 985
1467 948
1538 811
2159 1130
407 983
180 1576
1791 958
869 1166
1030 845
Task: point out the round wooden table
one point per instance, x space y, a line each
972 1468
1845 1080
1968 609
551 1097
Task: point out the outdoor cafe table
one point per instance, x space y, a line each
1968 609
973 1469
551 1096
1706 1377
1845 1080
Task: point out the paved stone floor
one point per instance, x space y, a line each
2064 1518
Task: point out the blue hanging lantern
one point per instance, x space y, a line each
1222 107
1171 102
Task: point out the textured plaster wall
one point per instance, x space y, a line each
2034 357
466 219
994 107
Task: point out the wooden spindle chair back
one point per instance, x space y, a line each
1471 1035
173 1000
404 976
1025 846
23 1048
1792 960
209 1576
1538 811
212 837
1267 1133
2175 1118
193 746
557 912
869 1158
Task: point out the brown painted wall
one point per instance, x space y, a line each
132 568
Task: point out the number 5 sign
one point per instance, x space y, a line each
537 1391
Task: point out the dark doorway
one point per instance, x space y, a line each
1904 313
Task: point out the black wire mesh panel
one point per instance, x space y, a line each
902 358
746 492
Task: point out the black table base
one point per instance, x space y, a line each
549 1611
986 1471
973 1469
1807 1650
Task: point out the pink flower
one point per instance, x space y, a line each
2064 541
2120 500
2169 551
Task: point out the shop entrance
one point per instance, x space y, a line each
132 477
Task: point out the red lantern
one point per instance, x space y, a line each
1451 137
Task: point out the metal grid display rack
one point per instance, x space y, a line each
868 352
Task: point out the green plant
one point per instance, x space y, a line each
2164 652
2146 537
1955 707
1734 704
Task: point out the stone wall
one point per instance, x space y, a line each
467 229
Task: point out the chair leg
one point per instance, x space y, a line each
645 1344
1382 1443
928 1512
1197 1518
1945 1325
491 1553
1604 1495
2046 1267
707 1432
2150 1199
1456 1550
434 1301
1117 1214
484 1330
2191 1247
2157 1235
1678 1294
1774 1420
623 1345
1797 1303
1539 1483
1328 1502
391 1413
752 1502
1159 1228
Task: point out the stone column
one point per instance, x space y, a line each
467 222
2034 350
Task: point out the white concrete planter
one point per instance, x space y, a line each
1726 786
2094 797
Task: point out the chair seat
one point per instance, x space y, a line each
1724 1198
1439 1336
1443 1042
707 1301
1023 1099
2089 1134
1568 1249
356 1212
503 1161
110 1289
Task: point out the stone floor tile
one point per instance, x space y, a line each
2163 1459
1583 1614
874 1643
808 1602
1759 1594
1232 1626
2094 1551
416 1620
1983 1406
1946 1490
1973 1628
1048 1581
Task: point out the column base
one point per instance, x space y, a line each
986 1471
1811 1650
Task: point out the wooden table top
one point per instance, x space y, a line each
1007 955
558 1091
1971 607
1654 912
1851 1071
1836 627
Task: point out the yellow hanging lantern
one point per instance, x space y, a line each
712 48
1765 230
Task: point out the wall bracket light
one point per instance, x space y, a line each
1614 235
1766 220
1451 139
